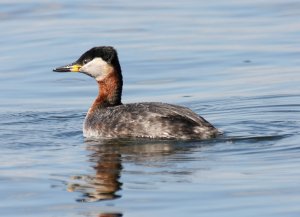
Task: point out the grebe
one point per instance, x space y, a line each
109 118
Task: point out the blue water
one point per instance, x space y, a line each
236 63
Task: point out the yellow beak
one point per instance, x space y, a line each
68 68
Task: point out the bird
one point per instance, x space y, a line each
108 117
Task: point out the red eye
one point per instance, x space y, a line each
85 61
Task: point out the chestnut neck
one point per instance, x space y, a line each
110 91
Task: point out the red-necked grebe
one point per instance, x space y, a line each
109 118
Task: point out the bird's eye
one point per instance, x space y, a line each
85 61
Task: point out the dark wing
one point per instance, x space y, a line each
153 120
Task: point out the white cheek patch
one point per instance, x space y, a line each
96 68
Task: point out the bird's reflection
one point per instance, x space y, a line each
106 160
105 183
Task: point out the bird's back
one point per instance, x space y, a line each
147 120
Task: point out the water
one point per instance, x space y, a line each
234 62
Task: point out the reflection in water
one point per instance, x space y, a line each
105 183
106 159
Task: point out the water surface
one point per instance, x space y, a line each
236 63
